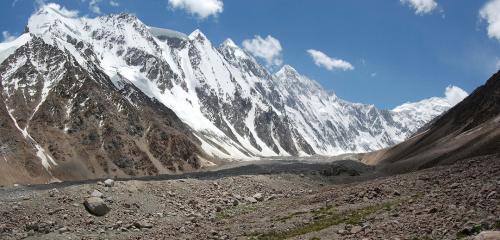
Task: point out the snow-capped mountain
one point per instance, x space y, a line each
425 110
332 125
113 96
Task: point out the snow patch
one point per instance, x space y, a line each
46 159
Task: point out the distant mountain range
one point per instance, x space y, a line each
110 96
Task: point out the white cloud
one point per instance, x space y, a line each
268 49
490 12
94 6
373 74
114 3
421 6
200 8
7 37
54 6
454 94
323 60
40 3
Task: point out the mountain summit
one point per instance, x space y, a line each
110 96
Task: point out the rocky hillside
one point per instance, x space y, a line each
469 129
110 96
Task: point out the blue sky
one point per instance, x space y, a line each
389 52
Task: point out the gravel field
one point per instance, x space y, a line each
286 200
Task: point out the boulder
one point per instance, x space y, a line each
63 230
251 199
259 197
109 183
97 194
132 188
356 229
218 209
142 224
96 206
432 210
270 198
53 192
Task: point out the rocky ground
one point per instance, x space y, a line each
449 202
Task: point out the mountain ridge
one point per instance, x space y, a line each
219 101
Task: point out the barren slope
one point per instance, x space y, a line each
471 128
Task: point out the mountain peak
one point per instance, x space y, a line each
198 34
239 57
48 15
231 50
229 43
289 78
287 70
287 67
123 18
126 16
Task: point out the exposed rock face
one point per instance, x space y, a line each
82 125
18 160
111 96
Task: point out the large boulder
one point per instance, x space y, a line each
109 183
96 206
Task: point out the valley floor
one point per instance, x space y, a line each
337 202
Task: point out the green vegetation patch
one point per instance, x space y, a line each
326 217
237 210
